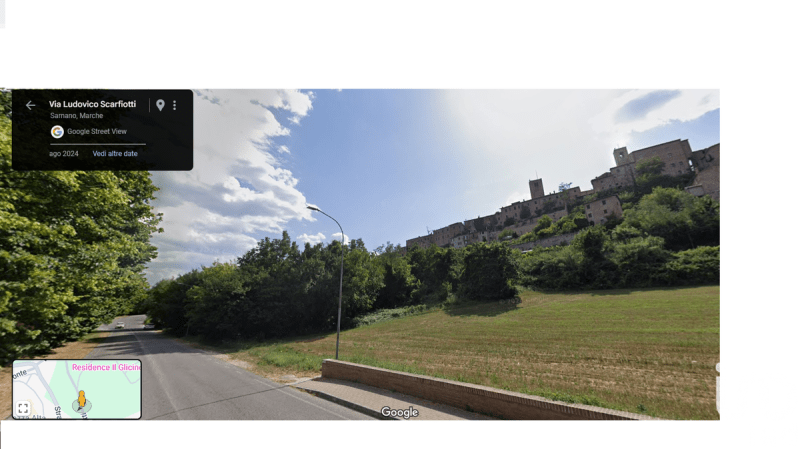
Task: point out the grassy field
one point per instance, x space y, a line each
650 351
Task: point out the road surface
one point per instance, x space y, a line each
180 382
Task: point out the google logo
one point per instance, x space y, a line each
57 132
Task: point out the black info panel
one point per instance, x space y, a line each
97 129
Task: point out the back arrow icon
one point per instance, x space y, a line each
29 105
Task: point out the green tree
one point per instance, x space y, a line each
5 103
213 306
73 246
592 243
438 271
543 223
272 285
505 234
167 302
596 270
694 266
625 233
566 225
640 262
682 219
554 268
398 282
362 282
490 272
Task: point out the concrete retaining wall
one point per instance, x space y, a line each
487 400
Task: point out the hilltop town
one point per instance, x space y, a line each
522 216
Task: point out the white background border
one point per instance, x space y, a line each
747 52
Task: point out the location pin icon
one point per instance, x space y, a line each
160 104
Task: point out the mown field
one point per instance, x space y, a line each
650 351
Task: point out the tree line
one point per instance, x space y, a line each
276 289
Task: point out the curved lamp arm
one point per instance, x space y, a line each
341 277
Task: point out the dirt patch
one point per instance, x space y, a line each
236 362
283 375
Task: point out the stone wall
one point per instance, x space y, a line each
423 241
620 176
492 401
707 180
546 242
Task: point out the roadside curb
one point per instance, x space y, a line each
351 405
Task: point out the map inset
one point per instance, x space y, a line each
77 389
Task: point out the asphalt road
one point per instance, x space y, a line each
180 382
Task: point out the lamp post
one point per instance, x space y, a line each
341 276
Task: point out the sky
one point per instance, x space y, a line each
390 164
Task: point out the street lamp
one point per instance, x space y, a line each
341 276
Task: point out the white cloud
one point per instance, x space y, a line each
687 105
507 137
312 239
338 237
516 196
237 191
320 238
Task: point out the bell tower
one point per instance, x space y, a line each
621 156
537 188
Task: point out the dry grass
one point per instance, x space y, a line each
73 350
233 354
646 351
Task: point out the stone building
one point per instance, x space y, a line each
423 241
706 163
460 241
678 159
441 237
600 211
676 156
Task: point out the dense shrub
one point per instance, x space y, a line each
399 285
694 266
438 271
683 220
554 268
640 262
622 258
490 273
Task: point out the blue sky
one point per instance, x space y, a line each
387 164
